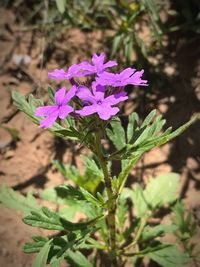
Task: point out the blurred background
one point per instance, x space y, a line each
160 36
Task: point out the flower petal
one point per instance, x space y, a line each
98 60
126 73
110 63
60 96
85 94
45 110
105 111
48 122
135 79
87 110
70 94
116 98
64 111
98 91
57 74
74 71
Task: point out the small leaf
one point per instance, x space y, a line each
117 134
162 189
169 257
132 124
116 44
61 5
35 246
158 230
149 118
42 256
77 259
159 191
12 200
50 220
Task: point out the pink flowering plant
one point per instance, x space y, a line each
117 229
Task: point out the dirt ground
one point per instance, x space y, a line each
26 164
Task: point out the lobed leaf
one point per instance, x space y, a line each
50 220
116 134
159 191
77 259
12 200
42 256
169 256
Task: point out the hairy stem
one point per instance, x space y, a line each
111 205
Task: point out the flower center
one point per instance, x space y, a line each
99 102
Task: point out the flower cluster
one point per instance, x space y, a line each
107 90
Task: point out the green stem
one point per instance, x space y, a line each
111 204
138 234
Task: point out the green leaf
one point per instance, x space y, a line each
29 106
149 118
122 212
50 220
35 246
125 172
12 200
61 5
169 257
162 189
116 44
158 230
132 124
117 134
143 139
75 200
89 180
184 220
42 256
77 259
159 191
141 205
51 93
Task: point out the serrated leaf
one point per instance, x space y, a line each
89 180
12 200
77 259
117 134
73 198
169 257
159 191
141 205
162 189
144 139
35 246
42 256
50 220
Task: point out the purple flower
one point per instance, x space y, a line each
83 69
73 71
98 65
127 76
58 74
97 102
59 110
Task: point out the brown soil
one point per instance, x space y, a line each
26 164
